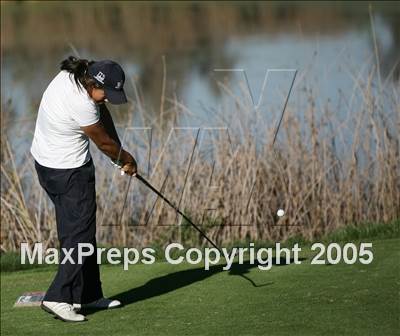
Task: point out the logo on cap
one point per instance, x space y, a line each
100 77
119 85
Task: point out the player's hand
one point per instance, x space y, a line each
129 168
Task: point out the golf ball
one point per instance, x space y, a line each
280 212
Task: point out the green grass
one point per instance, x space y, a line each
163 299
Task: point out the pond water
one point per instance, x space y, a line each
329 50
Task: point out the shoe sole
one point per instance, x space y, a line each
48 310
99 308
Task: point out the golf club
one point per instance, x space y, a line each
147 184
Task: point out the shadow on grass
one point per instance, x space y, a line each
173 281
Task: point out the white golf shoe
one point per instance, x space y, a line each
63 311
102 303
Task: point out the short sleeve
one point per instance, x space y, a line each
85 113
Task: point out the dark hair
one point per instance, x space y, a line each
78 68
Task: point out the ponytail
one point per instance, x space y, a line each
78 68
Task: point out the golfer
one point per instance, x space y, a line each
71 111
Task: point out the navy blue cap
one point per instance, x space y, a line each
110 76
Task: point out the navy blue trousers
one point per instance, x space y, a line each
73 193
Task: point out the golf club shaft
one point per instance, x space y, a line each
141 179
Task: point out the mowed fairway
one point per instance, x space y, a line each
163 299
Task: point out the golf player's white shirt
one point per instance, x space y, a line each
58 141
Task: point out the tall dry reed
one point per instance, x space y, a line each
324 171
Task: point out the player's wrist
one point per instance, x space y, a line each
126 157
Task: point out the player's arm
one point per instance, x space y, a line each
108 123
110 146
